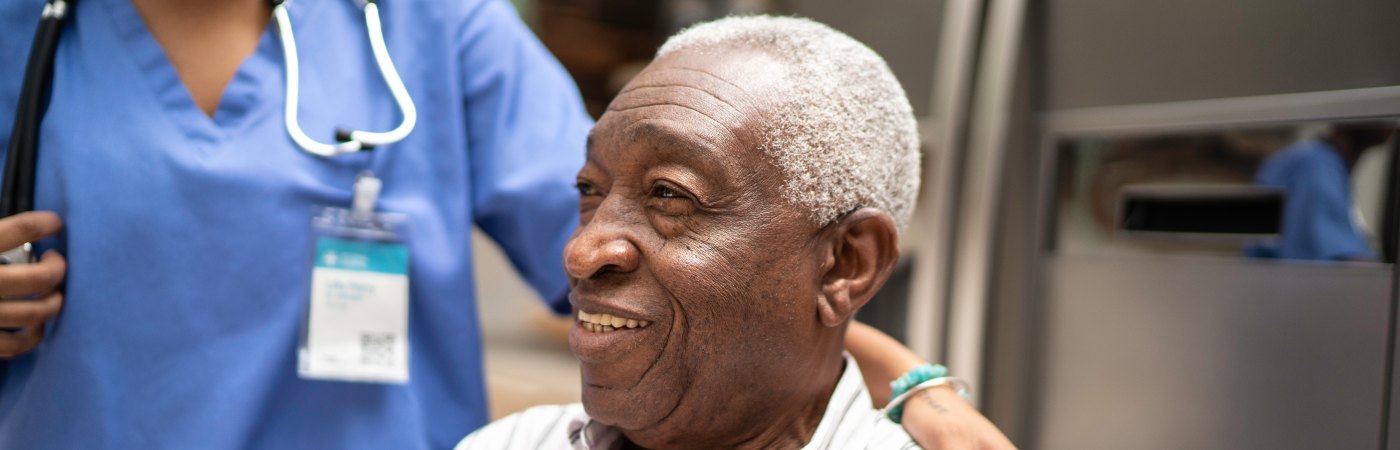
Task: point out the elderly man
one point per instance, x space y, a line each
742 198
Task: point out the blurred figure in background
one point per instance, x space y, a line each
1315 174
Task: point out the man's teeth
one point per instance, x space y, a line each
600 323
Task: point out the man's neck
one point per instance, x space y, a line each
787 421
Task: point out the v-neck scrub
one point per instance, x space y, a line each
188 237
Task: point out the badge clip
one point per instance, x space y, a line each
356 326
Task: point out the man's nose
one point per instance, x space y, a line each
600 249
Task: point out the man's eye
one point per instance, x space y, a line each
584 188
665 192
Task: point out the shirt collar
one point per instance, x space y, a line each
845 415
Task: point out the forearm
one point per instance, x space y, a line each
935 417
881 359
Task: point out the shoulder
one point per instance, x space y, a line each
851 422
1318 165
471 17
420 20
866 429
540 427
887 435
1304 162
872 431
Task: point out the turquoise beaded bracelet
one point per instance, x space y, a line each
913 377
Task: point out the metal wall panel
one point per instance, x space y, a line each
943 135
994 115
1114 52
1158 352
904 32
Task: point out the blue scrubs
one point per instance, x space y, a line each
188 238
1317 219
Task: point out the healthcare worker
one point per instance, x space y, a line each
187 214
232 272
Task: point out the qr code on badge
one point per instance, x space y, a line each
377 349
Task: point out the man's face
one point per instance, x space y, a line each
686 239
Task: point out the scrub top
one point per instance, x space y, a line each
1317 209
189 238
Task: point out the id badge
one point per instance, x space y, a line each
356 326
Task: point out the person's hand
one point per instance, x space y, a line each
940 420
29 294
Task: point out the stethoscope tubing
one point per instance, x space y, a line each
351 141
17 187
17 191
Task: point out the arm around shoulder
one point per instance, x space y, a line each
937 418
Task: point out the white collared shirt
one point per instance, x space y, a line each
850 422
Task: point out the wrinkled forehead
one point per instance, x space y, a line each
743 80
718 98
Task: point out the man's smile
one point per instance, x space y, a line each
616 342
603 323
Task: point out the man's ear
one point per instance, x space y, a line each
862 248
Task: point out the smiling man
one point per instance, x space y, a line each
742 198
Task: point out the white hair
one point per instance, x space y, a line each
842 132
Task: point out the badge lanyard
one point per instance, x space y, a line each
356 322
356 325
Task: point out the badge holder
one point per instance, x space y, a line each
356 326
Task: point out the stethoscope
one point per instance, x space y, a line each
17 191
347 141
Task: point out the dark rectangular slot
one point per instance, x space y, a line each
1203 211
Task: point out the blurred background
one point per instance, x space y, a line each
1143 224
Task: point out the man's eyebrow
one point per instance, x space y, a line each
670 142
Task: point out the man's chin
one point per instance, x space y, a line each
612 376
627 409
630 398
610 407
